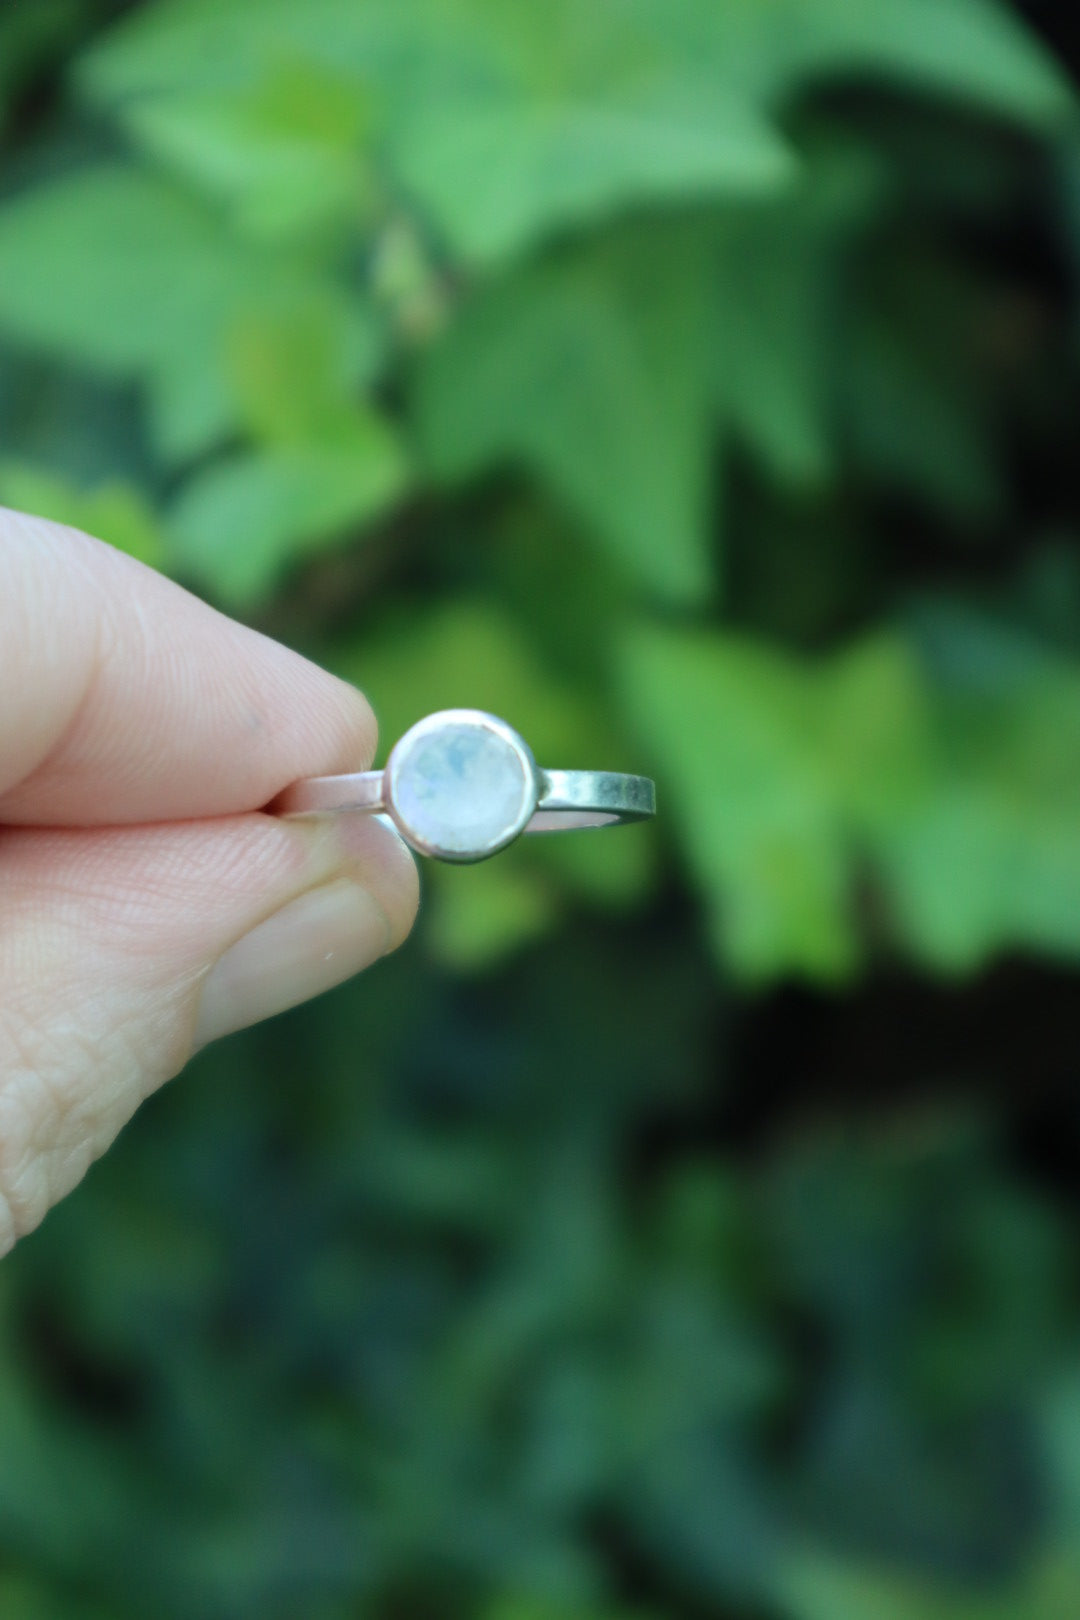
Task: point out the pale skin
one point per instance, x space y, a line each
148 902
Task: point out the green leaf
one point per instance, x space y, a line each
285 157
473 925
787 776
772 370
504 126
507 124
293 369
115 512
590 370
474 655
89 273
115 270
780 266
238 524
992 859
918 423
499 173
974 50
819 1588
730 726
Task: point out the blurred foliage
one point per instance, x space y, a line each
692 383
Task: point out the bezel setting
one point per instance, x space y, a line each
413 806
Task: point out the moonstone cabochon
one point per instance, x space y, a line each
461 785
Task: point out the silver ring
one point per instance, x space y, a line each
461 784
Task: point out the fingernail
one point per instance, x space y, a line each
308 946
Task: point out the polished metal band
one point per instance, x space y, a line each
462 784
567 799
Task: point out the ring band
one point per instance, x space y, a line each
567 799
462 784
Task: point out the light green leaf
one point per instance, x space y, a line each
238 524
499 173
757 55
474 655
471 925
502 125
220 45
89 273
614 872
285 158
991 861
590 370
789 777
993 858
507 124
129 227
729 725
115 512
118 271
293 370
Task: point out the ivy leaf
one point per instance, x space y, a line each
973 50
730 725
504 127
285 157
507 125
115 270
992 858
477 656
772 371
977 51
239 523
293 368
88 273
820 1588
499 173
590 371
780 267
789 776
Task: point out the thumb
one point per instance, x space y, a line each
122 949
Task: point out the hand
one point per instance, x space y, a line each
146 905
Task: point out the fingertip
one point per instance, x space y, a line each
385 865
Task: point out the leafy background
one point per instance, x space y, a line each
685 1222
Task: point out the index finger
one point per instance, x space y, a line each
123 698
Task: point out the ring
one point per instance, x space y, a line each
461 784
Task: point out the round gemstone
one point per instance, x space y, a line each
460 789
